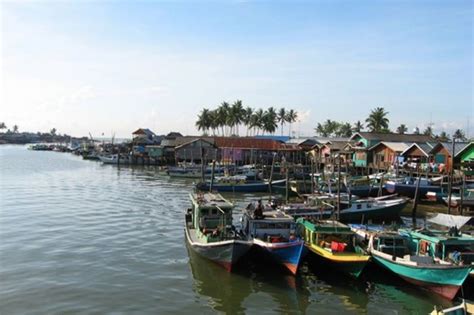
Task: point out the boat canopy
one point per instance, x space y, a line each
449 220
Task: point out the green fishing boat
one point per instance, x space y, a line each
334 243
391 251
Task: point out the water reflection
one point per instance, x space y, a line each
226 291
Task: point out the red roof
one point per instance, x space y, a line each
251 143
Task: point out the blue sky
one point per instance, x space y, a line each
113 66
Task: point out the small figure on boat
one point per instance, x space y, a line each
258 211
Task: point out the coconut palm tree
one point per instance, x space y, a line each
443 136
428 131
270 120
15 129
222 116
282 118
321 130
247 118
402 129
236 116
257 120
358 126
459 134
204 120
3 126
377 120
291 118
344 130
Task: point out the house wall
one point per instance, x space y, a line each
383 156
192 151
441 156
468 154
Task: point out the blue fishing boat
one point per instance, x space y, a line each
407 186
209 230
273 232
324 206
237 184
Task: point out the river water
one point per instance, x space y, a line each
80 237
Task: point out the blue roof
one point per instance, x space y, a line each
277 138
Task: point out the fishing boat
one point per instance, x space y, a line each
209 230
237 183
390 250
334 243
324 206
273 232
407 186
114 159
449 245
193 171
467 199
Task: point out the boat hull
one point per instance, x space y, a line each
441 280
408 190
250 187
352 265
225 253
288 253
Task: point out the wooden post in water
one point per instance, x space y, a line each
312 175
287 196
463 188
203 178
212 175
415 203
338 187
450 178
271 176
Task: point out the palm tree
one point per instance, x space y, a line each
257 120
428 131
345 130
321 130
291 117
443 137
214 123
282 118
204 120
402 129
358 126
15 129
222 116
236 115
3 126
377 120
416 131
270 120
459 134
247 118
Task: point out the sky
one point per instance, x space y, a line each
110 67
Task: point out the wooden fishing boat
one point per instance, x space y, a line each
114 159
351 210
237 184
407 186
334 243
391 251
274 233
209 230
450 246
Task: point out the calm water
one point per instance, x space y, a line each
80 237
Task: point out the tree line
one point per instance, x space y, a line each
226 119
377 121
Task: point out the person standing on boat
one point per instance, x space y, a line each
258 211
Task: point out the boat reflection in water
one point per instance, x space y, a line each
231 292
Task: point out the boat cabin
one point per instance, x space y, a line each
333 236
210 216
449 245
275 226
391 243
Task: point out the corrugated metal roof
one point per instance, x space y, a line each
393 137
458 147
394 146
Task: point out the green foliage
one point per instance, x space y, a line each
377 120
226 119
